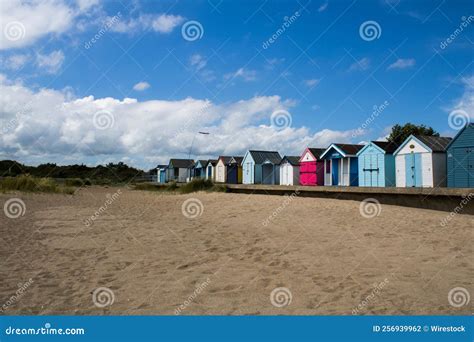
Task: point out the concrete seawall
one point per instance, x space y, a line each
460 201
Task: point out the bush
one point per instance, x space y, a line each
172 186
196 185
74 182
32 184
150 186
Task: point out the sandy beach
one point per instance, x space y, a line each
235 254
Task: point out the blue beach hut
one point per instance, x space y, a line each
460 159
340 164
377 164
261 167
420 161
199 170
161 174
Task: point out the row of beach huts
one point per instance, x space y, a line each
420 161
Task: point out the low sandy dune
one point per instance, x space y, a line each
242 254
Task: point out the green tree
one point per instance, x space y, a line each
400 133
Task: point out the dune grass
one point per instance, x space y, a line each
193 186
29 183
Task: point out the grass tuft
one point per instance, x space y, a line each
28 183
193 186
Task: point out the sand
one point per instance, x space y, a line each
320 256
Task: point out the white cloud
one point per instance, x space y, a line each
84 5
402 63
323 7
197 61
15 62
162 23
312 82
245 74
25 22
360 65
140 86
46 125
166 23
466 101
273 62
50 63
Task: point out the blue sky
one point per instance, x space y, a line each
322 74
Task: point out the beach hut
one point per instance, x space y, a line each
340 164
460 159
420 161
211 169
312 167
377 164
234 170
221 168
290 170
199 169
161 174
261 167
179 169
229 169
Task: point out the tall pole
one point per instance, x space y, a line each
192 143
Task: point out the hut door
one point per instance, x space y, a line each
335 171
470 168
345 171
374 172
410 170
413 170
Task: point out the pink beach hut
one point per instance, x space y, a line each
312 167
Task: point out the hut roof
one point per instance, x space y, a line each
387 146
346 149
213 162
260 156
236 160
225 159
293 160
316 152
182 163
436 144
202 162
